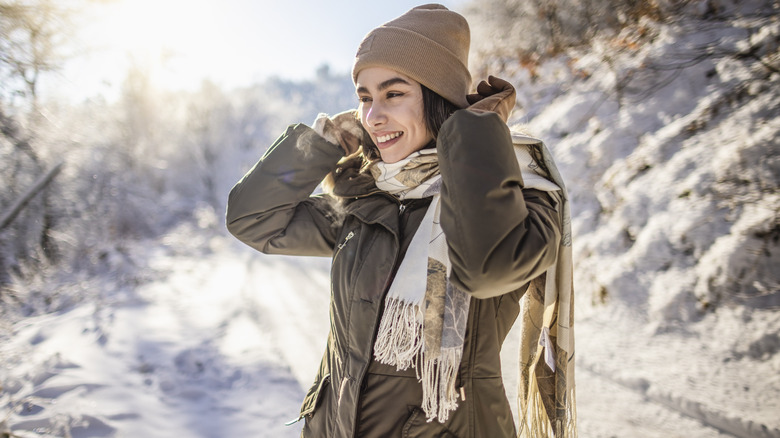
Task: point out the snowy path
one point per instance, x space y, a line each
607 409
203 353
224 345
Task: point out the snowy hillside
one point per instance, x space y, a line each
156 323
669 143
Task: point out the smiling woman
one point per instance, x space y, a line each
437 223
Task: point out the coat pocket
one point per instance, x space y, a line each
418 427
316 422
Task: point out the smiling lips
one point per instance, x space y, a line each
388 137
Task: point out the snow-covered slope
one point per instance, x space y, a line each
669 145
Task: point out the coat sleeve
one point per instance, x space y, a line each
271 208
500 235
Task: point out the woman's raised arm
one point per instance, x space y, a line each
271 208
500 235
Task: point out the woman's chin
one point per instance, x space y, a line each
391 155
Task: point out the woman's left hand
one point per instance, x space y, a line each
494 95
343 129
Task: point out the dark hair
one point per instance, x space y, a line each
436 110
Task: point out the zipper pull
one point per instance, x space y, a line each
293 421
346 239
401 208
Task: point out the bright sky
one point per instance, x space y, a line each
231 42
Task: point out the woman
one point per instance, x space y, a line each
434 237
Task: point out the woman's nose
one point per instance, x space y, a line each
376 115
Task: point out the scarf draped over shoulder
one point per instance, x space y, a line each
425 317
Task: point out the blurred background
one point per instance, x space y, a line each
124 123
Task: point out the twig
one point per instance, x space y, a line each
20 203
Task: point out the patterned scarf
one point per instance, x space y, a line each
546 391
424 322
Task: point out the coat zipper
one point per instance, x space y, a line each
386 285
350 235
344 243
339 247
401 210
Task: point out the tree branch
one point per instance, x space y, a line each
20 203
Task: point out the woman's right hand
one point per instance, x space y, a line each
494 95
343 129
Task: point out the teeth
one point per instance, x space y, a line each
388 137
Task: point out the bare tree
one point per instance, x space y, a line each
521 29
32 38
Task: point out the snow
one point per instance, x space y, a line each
672 168
224 342
674 193
192 355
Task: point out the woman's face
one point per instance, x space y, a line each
391 110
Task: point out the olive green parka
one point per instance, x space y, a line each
500 236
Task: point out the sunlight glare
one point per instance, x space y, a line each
175 42
178 44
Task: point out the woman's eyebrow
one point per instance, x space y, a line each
390 82
386 84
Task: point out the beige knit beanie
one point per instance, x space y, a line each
429 43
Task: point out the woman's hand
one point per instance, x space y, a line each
494 95
343 129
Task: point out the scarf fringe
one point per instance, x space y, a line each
534 422
440 396
399 343
399 340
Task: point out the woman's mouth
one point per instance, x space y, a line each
384 140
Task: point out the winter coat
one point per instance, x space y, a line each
499 235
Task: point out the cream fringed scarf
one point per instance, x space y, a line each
546 391
424 321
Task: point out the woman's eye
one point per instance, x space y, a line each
392 94
364 99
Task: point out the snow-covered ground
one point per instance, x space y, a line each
203 352
225 341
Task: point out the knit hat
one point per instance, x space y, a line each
429 43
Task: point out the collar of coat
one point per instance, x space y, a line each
347 184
